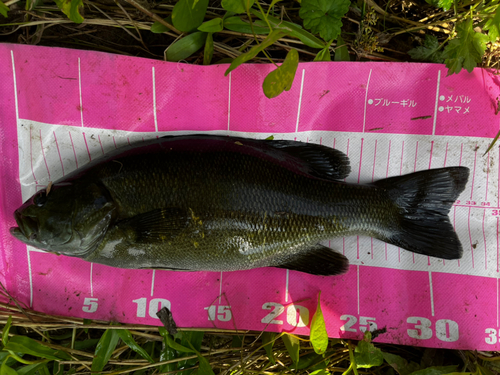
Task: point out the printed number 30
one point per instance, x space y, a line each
90 305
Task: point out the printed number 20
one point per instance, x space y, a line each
296 315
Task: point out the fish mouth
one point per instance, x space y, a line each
27 229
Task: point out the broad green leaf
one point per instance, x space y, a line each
127 338
436 370
6 370
319 336
466 50
205 367
193 340
186 46
3 9
270 138
341 52
212 26
159 28
209 50
240 26
271 38
309 361
367 355
172 343
444 4
324 16
323 55
6 329
320 372
31 369
493 26
85 344
71 9
23 344
293 30
189 14
269 337
104 349
237 6
429 51
282 78
167 354
400 364
293 346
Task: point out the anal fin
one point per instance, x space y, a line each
318 260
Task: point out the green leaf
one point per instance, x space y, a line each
189 14
167 354
271 38
208 53
341 52
293 30
159 28
323 55
429 51
319 336
237 6
23 344
435 370
270 138
282 78
293 346
444 4
205 367
127 338
31 369
466 50
268 338
3 9
71 9
6 370
240 26
309 361
493 26
6 329
400 364
367 355
104 349
186 46
212 26
172 343
85 344
320 372
324 16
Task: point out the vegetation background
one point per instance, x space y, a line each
463 34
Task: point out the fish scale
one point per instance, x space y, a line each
209 203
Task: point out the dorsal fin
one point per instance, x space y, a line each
321 161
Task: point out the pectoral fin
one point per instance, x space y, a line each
318 260
156 226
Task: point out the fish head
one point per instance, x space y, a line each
68 219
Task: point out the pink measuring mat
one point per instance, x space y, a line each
61 108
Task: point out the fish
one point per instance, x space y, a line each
221 203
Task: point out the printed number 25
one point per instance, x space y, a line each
364 323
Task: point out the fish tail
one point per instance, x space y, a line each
423 200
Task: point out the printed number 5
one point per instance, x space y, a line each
90 305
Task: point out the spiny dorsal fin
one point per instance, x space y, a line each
318 260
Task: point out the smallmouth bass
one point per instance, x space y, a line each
214 203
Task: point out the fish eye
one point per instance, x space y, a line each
40 199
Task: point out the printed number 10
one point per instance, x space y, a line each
155 305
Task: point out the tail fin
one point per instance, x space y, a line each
424 200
